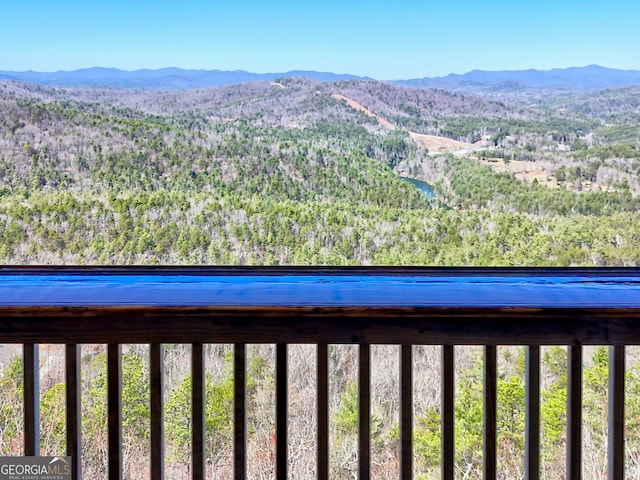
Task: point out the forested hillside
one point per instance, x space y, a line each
291 172
287 173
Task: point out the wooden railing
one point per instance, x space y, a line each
403 306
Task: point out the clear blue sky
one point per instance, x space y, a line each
384 40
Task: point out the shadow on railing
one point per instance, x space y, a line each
402 306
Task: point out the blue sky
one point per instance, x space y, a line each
384 40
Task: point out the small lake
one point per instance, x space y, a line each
427 189
422 186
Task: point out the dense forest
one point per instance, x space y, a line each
286 173
302 172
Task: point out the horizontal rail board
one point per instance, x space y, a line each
303 325
303 305
380 288
430 327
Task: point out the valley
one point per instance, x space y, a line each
304 171
294 171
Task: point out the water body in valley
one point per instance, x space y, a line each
422 186
427 189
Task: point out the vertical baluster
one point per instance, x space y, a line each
239 412
490 396
114 382
73 407
448 381
157 416
197 412
31 365
323 411
532 427
574 413
616 412
364 417
406 412
281 411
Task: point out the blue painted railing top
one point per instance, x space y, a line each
548 288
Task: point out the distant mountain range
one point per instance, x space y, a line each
592 77
162 79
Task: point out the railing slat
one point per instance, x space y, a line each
322 367
114 407
616 412
282 387
406 412
73 408
31 366
490 396
448 413
532 422
364 411
574 413
157 414
197 412
239 412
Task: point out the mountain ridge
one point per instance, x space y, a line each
169 78
590 77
